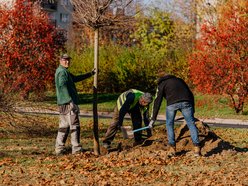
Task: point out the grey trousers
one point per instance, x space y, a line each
69 123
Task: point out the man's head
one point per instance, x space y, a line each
65 60
145 99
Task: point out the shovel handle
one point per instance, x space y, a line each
147 127
143 128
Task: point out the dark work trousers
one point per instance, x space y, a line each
69 122
114 126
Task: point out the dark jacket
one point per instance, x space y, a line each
174 90
132 102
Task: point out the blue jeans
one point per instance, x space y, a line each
186 108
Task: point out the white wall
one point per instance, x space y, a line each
7 3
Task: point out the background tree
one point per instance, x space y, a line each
29 47
154 32
219 64
168 36
126 60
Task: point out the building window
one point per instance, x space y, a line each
64 18
65 2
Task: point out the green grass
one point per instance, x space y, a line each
206 106
215 106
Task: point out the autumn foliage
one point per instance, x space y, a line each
220 62
29 45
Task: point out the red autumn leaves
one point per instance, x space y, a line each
29 45
219 64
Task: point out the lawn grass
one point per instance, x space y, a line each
206 106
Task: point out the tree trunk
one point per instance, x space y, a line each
95 114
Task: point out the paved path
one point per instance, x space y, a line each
217 122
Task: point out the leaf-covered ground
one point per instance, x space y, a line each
29 159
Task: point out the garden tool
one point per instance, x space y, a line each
128 132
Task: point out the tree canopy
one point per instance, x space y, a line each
154 32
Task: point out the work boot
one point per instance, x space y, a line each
79 151
197 151
60 152
149 133
172 151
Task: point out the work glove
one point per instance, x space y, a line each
93 71
74 107
151 123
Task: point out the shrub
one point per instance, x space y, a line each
120 68
219 64
29 45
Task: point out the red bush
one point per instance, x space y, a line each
29 46
219 64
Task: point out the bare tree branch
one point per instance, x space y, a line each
98 13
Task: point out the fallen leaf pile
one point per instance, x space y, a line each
148 164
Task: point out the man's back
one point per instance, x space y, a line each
175 90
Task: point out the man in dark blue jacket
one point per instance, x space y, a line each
179 98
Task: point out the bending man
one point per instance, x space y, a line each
132 102
179 98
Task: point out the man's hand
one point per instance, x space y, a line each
74 107
93 71
151 124
119 127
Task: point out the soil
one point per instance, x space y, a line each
210 143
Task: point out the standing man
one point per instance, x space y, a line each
133 102
67 100
179 98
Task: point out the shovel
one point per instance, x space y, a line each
128 132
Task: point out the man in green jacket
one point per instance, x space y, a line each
133 102
67 100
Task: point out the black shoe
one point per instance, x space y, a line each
149 133
140 142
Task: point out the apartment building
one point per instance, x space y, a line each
59 11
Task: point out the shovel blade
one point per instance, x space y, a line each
127 132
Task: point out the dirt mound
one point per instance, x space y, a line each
157 144
210 142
